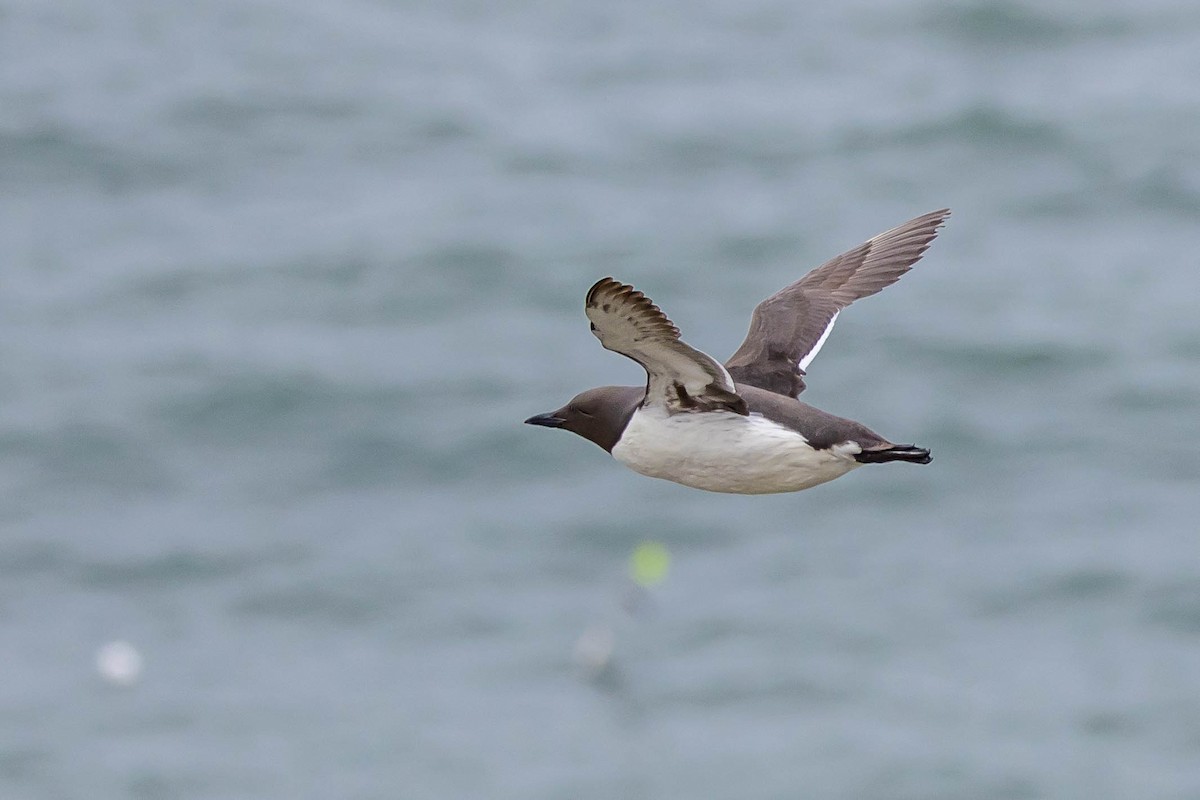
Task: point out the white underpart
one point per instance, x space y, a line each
721 451
811 354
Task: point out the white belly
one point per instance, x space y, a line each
721 451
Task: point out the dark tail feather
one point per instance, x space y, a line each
897 452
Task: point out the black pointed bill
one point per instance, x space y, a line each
546 420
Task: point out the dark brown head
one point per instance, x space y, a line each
598 415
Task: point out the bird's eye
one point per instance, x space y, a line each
593 325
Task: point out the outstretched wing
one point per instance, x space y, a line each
789 327
679 377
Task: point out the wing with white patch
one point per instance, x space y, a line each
679 377
789 327
807 358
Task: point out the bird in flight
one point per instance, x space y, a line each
739 427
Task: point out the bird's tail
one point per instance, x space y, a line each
894 452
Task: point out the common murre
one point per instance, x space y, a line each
739 427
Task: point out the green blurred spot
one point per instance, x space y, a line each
649 563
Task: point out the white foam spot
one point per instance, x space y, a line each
594 648
119 663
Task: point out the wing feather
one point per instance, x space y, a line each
678 376
789 327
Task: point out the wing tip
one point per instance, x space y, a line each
915 236
931 221
601 285
937 218
612 290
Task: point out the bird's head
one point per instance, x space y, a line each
598 415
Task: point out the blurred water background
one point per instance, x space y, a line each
280 280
